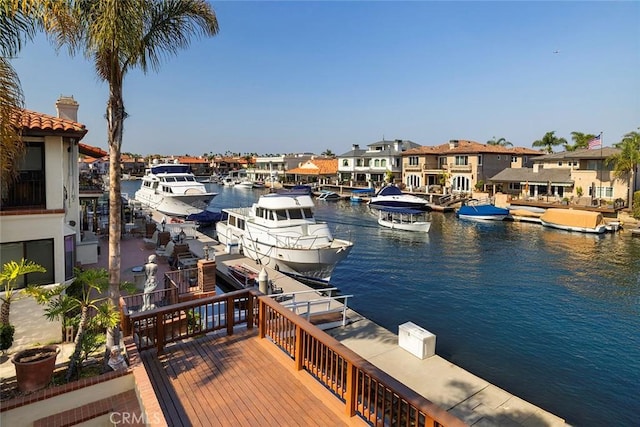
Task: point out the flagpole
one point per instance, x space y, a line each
601 167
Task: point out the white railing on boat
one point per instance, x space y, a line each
314 307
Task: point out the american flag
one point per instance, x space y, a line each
595 143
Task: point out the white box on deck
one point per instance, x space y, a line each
416 340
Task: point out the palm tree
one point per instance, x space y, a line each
548 141
626 161
501 142
15 29
120 36
328 153
9 276
580 141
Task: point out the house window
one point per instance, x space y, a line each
69 256
498 156
376 163
38 251
514 159
29 189
383 162
359 162
442 161
525 160
345 162
479 159
413 181
559 163
413 160
462 160
367 163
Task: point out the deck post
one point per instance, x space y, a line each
250 308
159 333
298 354
261 318
350 394
230 315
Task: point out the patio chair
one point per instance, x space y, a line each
151 242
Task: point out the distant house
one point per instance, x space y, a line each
268 168
460 165
315 170
581 175
359 167
39 213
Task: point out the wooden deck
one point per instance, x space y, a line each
238 380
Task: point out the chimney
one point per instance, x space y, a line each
355 147
453 143
67 108
397 145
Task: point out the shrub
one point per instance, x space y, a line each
636 205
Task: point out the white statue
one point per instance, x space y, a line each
116 359
150 270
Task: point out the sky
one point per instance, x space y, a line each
297 76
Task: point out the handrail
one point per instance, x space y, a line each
365 390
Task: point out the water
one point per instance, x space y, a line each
550 316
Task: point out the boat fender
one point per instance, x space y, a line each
176 220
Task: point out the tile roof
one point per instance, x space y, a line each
316 167
469 147
44 123
91 151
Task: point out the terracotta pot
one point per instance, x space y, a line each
34 367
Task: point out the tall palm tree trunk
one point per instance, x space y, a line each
77 344
115 120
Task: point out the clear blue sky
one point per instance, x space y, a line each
285 77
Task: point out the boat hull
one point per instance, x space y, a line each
420 226
173 205
482 213
574 220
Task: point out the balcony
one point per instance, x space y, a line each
459 168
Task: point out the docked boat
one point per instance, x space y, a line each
281 232
244 184
360 194
206 218
171 188
526 214
482 211
328 195
392 197
574 220
404 219
243 275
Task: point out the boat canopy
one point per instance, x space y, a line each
362 191
390 190
402 210
168 168
573 217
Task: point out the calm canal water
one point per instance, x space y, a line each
550 316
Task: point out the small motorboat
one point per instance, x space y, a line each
479 210
360 194
574 220
244 275
329 195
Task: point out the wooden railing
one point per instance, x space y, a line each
186 280
365 390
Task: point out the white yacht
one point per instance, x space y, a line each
171 188
280 231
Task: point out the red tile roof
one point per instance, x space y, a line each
469 147
317 167
91 151
44 123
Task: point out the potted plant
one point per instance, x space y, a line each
34 367
9 276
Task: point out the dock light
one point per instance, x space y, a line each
163 222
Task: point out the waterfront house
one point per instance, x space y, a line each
580 176
316 170
460 166
274 168
381 161
39 212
